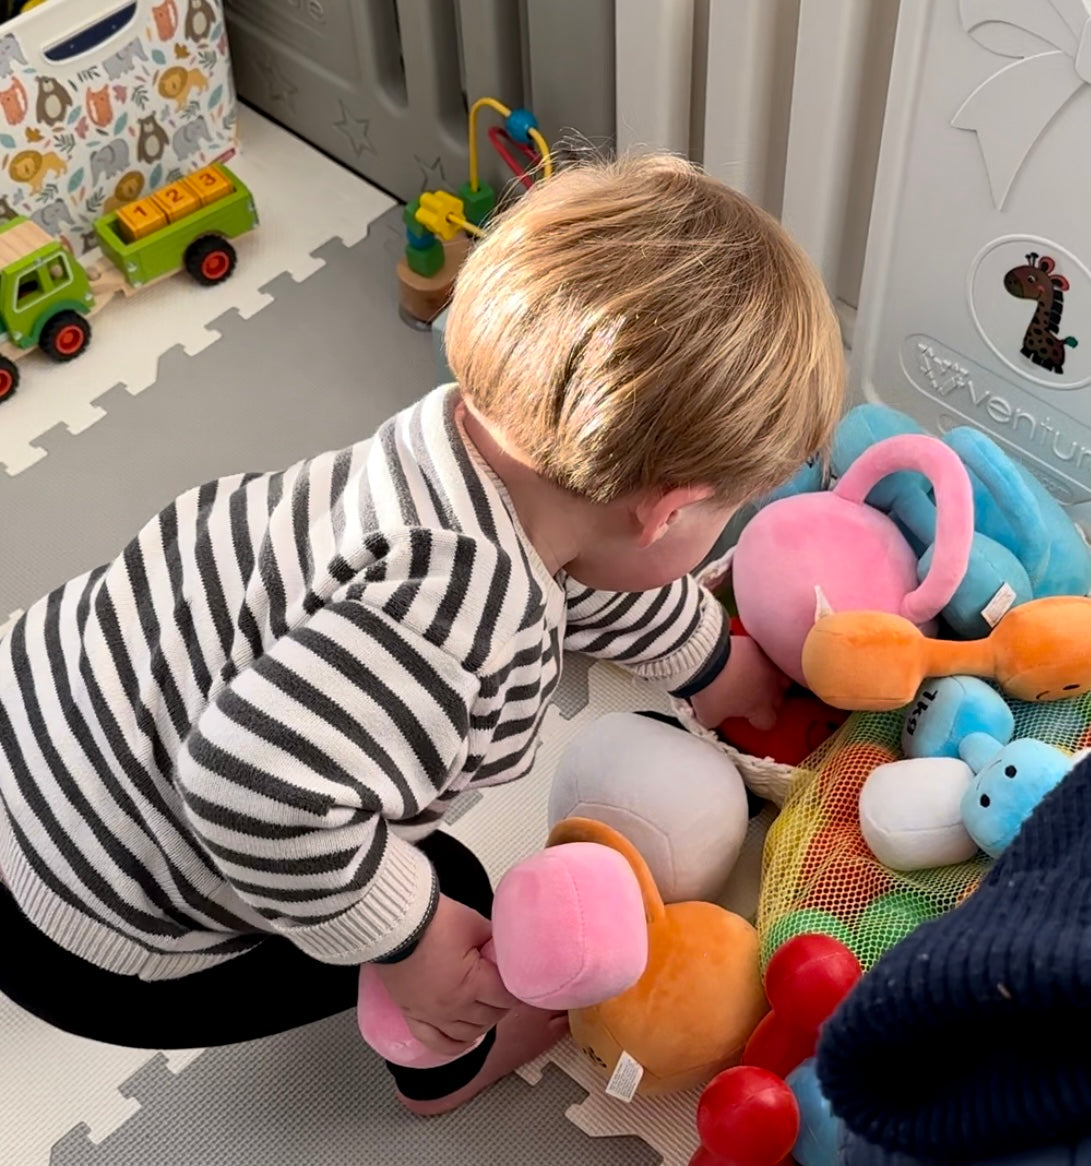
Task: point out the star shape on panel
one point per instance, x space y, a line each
356 129
280 88
432 176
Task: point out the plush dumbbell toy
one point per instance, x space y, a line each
874 661
854 552
965 784
1012 508
568 931
995 579
760 1112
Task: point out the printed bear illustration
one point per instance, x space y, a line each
54 101
151 140
199 20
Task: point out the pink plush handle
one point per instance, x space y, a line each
954 511
568 931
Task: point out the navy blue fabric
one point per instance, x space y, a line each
971 1039
856 1152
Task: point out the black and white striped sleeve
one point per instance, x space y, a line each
675 636
292 774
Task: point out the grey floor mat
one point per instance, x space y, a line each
320 367
318 1096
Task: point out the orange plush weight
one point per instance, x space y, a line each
701 996
874 661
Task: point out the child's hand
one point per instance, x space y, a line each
750 686
449 992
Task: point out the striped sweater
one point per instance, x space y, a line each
241 724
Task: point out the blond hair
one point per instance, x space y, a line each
636 324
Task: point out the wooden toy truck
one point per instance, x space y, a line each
47 296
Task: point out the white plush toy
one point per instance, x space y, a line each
911 813
675 797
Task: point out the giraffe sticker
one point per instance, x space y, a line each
1037 279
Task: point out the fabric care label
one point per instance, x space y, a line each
625 1079
999 606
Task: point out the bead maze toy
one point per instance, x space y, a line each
439 225
48 296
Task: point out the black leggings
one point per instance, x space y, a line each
267 990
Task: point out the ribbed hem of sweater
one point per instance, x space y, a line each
387 921
969 1039
385 924
88 938
680 669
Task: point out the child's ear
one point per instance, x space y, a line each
657 510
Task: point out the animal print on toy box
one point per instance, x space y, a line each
153 102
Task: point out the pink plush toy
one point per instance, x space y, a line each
854 553
569 931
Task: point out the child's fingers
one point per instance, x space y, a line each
488 988
763 719
485 1015
438 1042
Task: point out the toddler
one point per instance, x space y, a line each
225 754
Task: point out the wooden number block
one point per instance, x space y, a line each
177 201
209 184
140 219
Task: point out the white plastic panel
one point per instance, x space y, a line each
985 161
654 70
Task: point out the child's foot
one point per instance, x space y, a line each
522 1035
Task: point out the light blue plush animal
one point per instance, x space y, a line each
995 579
961 716
1026 548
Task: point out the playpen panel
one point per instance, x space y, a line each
985 164
380 85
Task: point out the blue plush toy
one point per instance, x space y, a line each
964 717
995 579
1026 548
819 1131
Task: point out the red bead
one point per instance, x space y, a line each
808 977
748 1117
778 1046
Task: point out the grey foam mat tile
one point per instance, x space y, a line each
317 1095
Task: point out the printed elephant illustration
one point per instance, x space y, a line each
124 60
111 159
11 53
187 139
52 216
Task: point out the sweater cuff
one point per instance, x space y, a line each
699 660
388 922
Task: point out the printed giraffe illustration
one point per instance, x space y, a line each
1037 280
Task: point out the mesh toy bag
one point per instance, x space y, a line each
819 875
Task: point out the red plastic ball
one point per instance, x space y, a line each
748 1117
778 1046
808 977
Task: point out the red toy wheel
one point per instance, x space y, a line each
210 260
9 378
65 336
